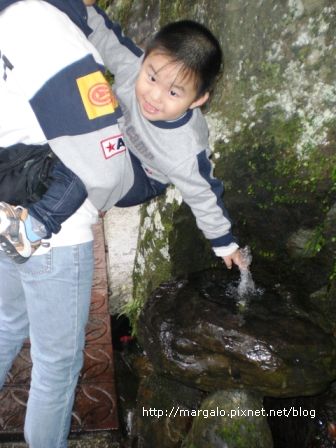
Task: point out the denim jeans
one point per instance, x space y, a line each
64 196
47 298
143 189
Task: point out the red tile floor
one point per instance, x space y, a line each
95 404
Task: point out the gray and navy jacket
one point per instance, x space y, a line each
175 152
53 90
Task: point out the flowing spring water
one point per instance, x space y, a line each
246 284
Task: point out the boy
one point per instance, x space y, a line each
160 94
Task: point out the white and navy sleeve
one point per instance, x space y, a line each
117 50
62 77
203 193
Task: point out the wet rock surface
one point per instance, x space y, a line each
310 424
165 411
324 435
231 427
197 330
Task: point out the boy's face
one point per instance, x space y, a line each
162 90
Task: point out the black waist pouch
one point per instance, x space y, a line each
25 173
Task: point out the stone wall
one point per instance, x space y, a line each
272 128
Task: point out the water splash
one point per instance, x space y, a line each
246 284
242 290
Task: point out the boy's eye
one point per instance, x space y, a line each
151 78
173 93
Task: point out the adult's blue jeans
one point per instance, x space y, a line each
47 298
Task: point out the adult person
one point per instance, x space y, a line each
52 89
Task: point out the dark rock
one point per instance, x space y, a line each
230 419
293 421
325 428
165 412
196 331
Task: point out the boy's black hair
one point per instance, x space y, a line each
194 46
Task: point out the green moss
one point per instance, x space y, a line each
121 11
265 78
270 74
238 434
316 242
265 254
152 265
265 164
333 273
304 53
272 191
104 4
177 10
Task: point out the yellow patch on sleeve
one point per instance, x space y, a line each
96 94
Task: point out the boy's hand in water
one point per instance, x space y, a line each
235 258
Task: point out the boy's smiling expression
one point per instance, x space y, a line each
163 89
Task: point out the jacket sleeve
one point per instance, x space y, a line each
63 80
203 193
117 51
